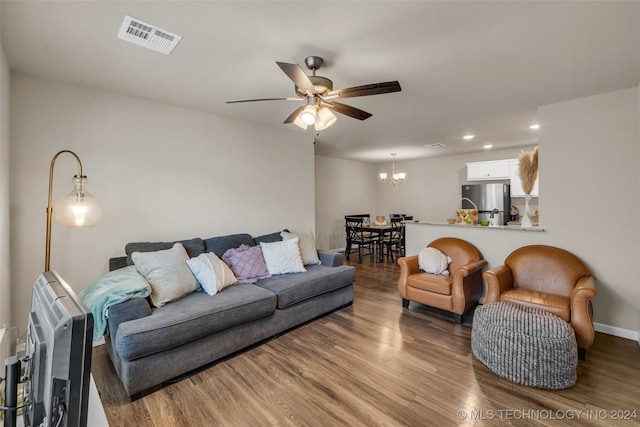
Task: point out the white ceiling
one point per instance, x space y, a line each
479 67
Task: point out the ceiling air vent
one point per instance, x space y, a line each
146 35
436 145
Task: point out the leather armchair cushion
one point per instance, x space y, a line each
435 283
553 303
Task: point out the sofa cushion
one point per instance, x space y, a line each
194 247
221 244
307 244
269 238
212 273
282 257
247 263
319 279
436 283
167 273
193 317
556 304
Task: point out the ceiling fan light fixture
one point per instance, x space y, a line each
298 122
308 115
324 119
318 93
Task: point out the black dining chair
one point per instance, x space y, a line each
366 216
406 218
393 239
356 235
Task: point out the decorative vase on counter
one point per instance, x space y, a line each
526 220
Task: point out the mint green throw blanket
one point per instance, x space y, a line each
113 288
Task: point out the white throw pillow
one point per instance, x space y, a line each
307 242
167 273
432 260
212 273
283 257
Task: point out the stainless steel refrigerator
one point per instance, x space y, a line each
488 197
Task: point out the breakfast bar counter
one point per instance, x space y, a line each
488 227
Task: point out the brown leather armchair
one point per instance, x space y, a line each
551 279
455 293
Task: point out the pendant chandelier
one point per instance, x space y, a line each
396 178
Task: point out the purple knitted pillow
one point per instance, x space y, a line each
247 263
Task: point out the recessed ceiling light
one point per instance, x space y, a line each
535 126
468 137
487 146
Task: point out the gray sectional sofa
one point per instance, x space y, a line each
149 346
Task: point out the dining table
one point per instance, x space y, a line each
377 228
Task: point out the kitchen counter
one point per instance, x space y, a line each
489 227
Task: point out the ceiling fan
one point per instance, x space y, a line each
319 96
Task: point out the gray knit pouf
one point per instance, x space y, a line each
525 345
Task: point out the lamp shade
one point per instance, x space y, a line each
325 118
78 208
308 115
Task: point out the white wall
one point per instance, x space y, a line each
343 187
161 172
589 169
5 279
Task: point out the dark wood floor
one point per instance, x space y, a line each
376 364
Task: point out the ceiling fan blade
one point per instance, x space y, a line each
366 90
348 110
292 117
298 76
262 99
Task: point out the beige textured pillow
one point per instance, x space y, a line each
167 273
212 273
307 242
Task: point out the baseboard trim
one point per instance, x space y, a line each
617 332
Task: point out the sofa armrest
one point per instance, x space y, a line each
467 287
582 312
498 279
472 267
132 309
330 258
408 266
117 263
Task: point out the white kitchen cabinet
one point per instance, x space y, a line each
486 171
516 183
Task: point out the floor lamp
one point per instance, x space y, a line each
76 209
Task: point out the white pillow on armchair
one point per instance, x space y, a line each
434 261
